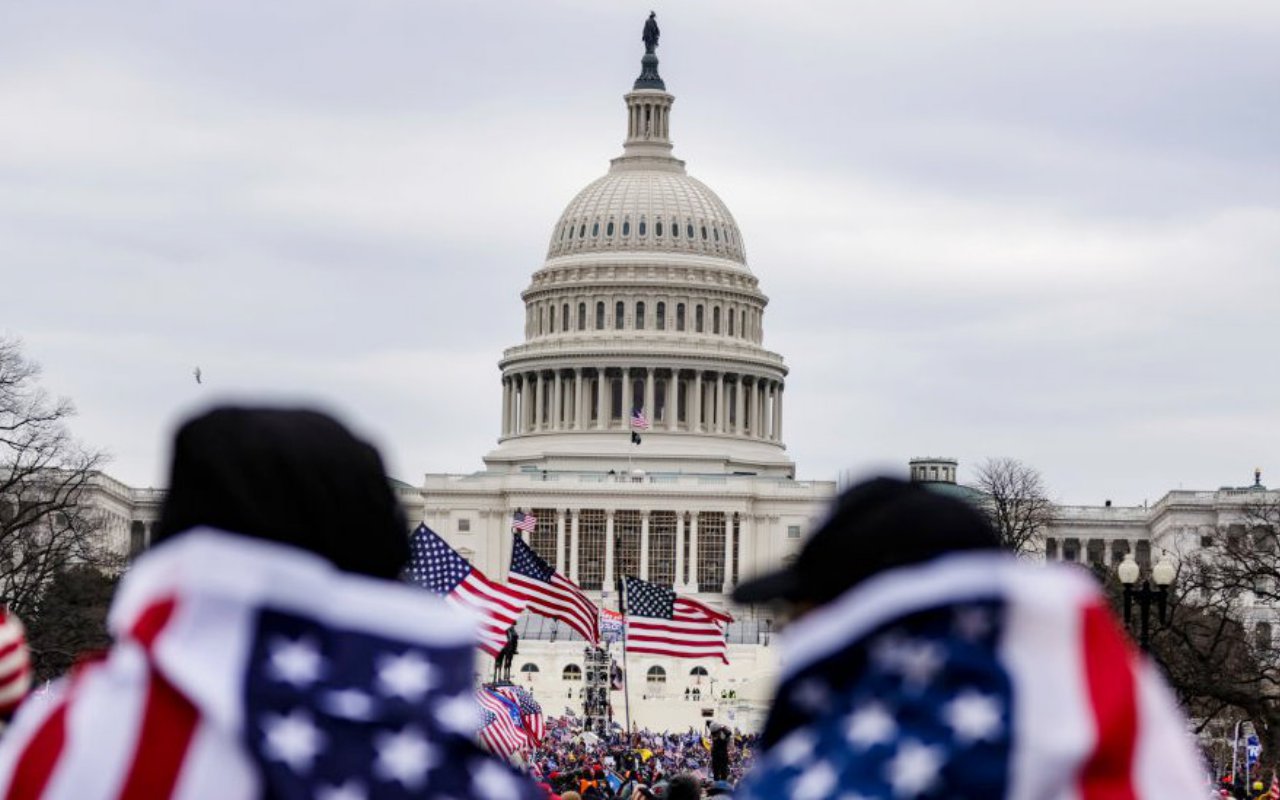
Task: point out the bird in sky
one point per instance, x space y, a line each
197 373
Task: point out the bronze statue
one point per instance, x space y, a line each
651 33
502 662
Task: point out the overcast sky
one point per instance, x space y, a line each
1044 230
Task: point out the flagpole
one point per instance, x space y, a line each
626 676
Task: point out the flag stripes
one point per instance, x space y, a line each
502 733
660 622
549 593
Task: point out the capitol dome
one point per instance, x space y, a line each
644 317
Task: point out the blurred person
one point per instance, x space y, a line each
720 736
922 661
264 646
684 787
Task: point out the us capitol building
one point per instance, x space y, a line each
646 301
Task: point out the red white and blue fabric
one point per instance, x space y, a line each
245 669
549 593
638 420
437 567
502 730
662 623
526 523
973 676
530 711
15 662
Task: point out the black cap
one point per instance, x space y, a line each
875 525
292 476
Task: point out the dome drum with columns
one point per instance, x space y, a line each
645 302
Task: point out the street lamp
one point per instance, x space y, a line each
1162 574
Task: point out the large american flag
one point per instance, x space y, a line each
549 593
246 669
663 623
521 521
502 730
974 676
437 567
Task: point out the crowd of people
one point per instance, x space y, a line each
265 646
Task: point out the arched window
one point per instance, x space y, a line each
679 316
697 318
657 228
541 329
608 229
732 314
656 675
619 314
573 672
530 668
626 227
571 233
704 233
698 672
642 226
552 314
582 316
675 230
599 316
595 228
689 230
716 231
661 322
715 319
639 316
564 318
582 231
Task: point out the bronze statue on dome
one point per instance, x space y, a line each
651 33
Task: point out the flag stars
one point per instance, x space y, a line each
459 714
917 661
914 768
492 782
293 739
815 783
973 717
407 676
404 757
350 790
348 704
296 662
973 622
796 748
870 725
811 694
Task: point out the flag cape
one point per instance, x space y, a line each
229 680
977 675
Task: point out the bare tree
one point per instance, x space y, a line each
1016 503
44 477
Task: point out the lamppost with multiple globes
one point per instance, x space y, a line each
1161 575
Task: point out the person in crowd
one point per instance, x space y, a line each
684 787
922 661
720 736
264 646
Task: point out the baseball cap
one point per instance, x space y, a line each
873 526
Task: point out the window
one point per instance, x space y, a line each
793 531
716 231
582 231
662 548
1262 636
599 316
591 528
595 229
704 233
626 531
540 321
689 230
697 319
626 227
619 314
661 321
639 316
715 319
571 233
608 229
656 675
657 228
675 230
543 536
137 537
732 314
573 672
679 316
642 231
464 525
564 318
582 316
710 551
698 672
552 311
1050 549
529 668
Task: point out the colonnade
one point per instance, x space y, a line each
602 398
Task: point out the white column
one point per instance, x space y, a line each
721 405
673 399
750 421
781 392
608 550
575 549
693 551
557 401
644 545
528 394
506 407
559 559
728 552
739 419
649 396
678 580
600 398
693 403
540 411
579 404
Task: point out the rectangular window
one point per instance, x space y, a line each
639 316
793 531
710 551
543 537
626 533
680 316
661 322
619 315
464 525
697 319
599 316
662 547
591 531
737 543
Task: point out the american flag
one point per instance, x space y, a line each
502 730
437 567
638 420
15 662
524 522
663 623
549 593
530 711
974 675
235 683
1274 792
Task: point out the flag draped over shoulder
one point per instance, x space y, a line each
549 593
246 669
437 567
661 622
974 675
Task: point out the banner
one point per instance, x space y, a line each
610 626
